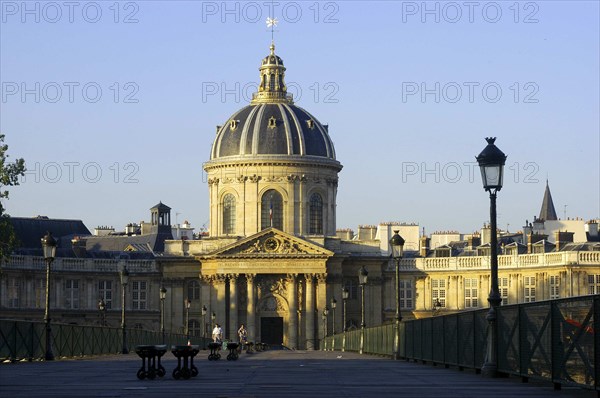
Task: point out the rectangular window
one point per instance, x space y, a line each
594 284
438 292
72 294
503 286
471 296
14 292
406 294
39 293
554 287
105 293
529 293
139 294
193 290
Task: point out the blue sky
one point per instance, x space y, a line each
114 105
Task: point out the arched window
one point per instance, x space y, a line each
193 290
271 210
229 214
272 82
316 215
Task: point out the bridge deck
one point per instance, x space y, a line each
265 374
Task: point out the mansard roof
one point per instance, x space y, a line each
30 230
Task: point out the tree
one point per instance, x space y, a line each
9 176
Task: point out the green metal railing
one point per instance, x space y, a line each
25 340
556 340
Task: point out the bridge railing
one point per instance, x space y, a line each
555 340
25 340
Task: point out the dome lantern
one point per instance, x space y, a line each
272 89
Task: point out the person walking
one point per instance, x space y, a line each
217 334
243 335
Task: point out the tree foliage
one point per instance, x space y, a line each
9 177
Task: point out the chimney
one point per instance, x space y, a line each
367 232
562 238
345 234
486 234
424 246
473 241
592 229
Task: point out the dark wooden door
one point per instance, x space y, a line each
271 330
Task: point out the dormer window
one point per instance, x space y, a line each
272 122
310 123
233 125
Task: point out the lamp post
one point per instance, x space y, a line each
345 295
163 296
333 305
204 310
188 304
102 310
362 281
397 244
124 281
491 163
49 248
325 314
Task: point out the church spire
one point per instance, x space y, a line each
547 212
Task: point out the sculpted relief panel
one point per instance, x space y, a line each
275 245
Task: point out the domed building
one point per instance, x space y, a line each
272 164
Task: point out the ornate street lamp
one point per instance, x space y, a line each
49 249
188 304
124 274
333 305
397 244
102 310
163 296
362 281
204 311
345 295
324 315
491 162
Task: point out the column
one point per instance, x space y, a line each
310 312
293 314
321 289
205 289
220 307
233 312
251 311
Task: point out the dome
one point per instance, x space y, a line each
272 129
272 125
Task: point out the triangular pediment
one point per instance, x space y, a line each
271 242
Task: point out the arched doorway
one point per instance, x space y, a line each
273 320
